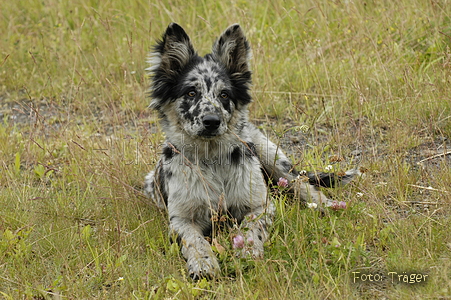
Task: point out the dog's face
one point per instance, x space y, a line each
204 104
204 91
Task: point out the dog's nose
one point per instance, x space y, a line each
211 122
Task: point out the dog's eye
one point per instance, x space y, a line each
191 93
224 95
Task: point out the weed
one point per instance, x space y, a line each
338 83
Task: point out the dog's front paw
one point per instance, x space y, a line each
257 250
254 251
202 267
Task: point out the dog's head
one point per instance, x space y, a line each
200 94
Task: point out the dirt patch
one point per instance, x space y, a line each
427 160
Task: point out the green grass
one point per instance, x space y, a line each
77 138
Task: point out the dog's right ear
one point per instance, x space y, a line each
167 60
173 52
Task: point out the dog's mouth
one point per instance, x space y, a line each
208 134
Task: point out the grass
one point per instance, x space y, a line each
77 139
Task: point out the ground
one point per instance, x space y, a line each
338 84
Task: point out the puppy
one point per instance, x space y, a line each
215 162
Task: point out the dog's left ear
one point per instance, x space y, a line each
233 51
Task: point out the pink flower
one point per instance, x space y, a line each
283 182
238 242
334 205
251 217
338 205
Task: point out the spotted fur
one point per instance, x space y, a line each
214 161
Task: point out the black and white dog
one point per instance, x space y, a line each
214 161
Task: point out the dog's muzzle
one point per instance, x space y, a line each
211 124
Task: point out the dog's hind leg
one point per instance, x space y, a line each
154 186
276 165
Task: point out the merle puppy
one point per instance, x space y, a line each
214 161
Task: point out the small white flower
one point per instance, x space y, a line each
303 128
328 168
359 194
312 205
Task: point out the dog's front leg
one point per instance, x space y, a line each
255 224
200 259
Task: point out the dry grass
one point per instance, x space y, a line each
77 138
